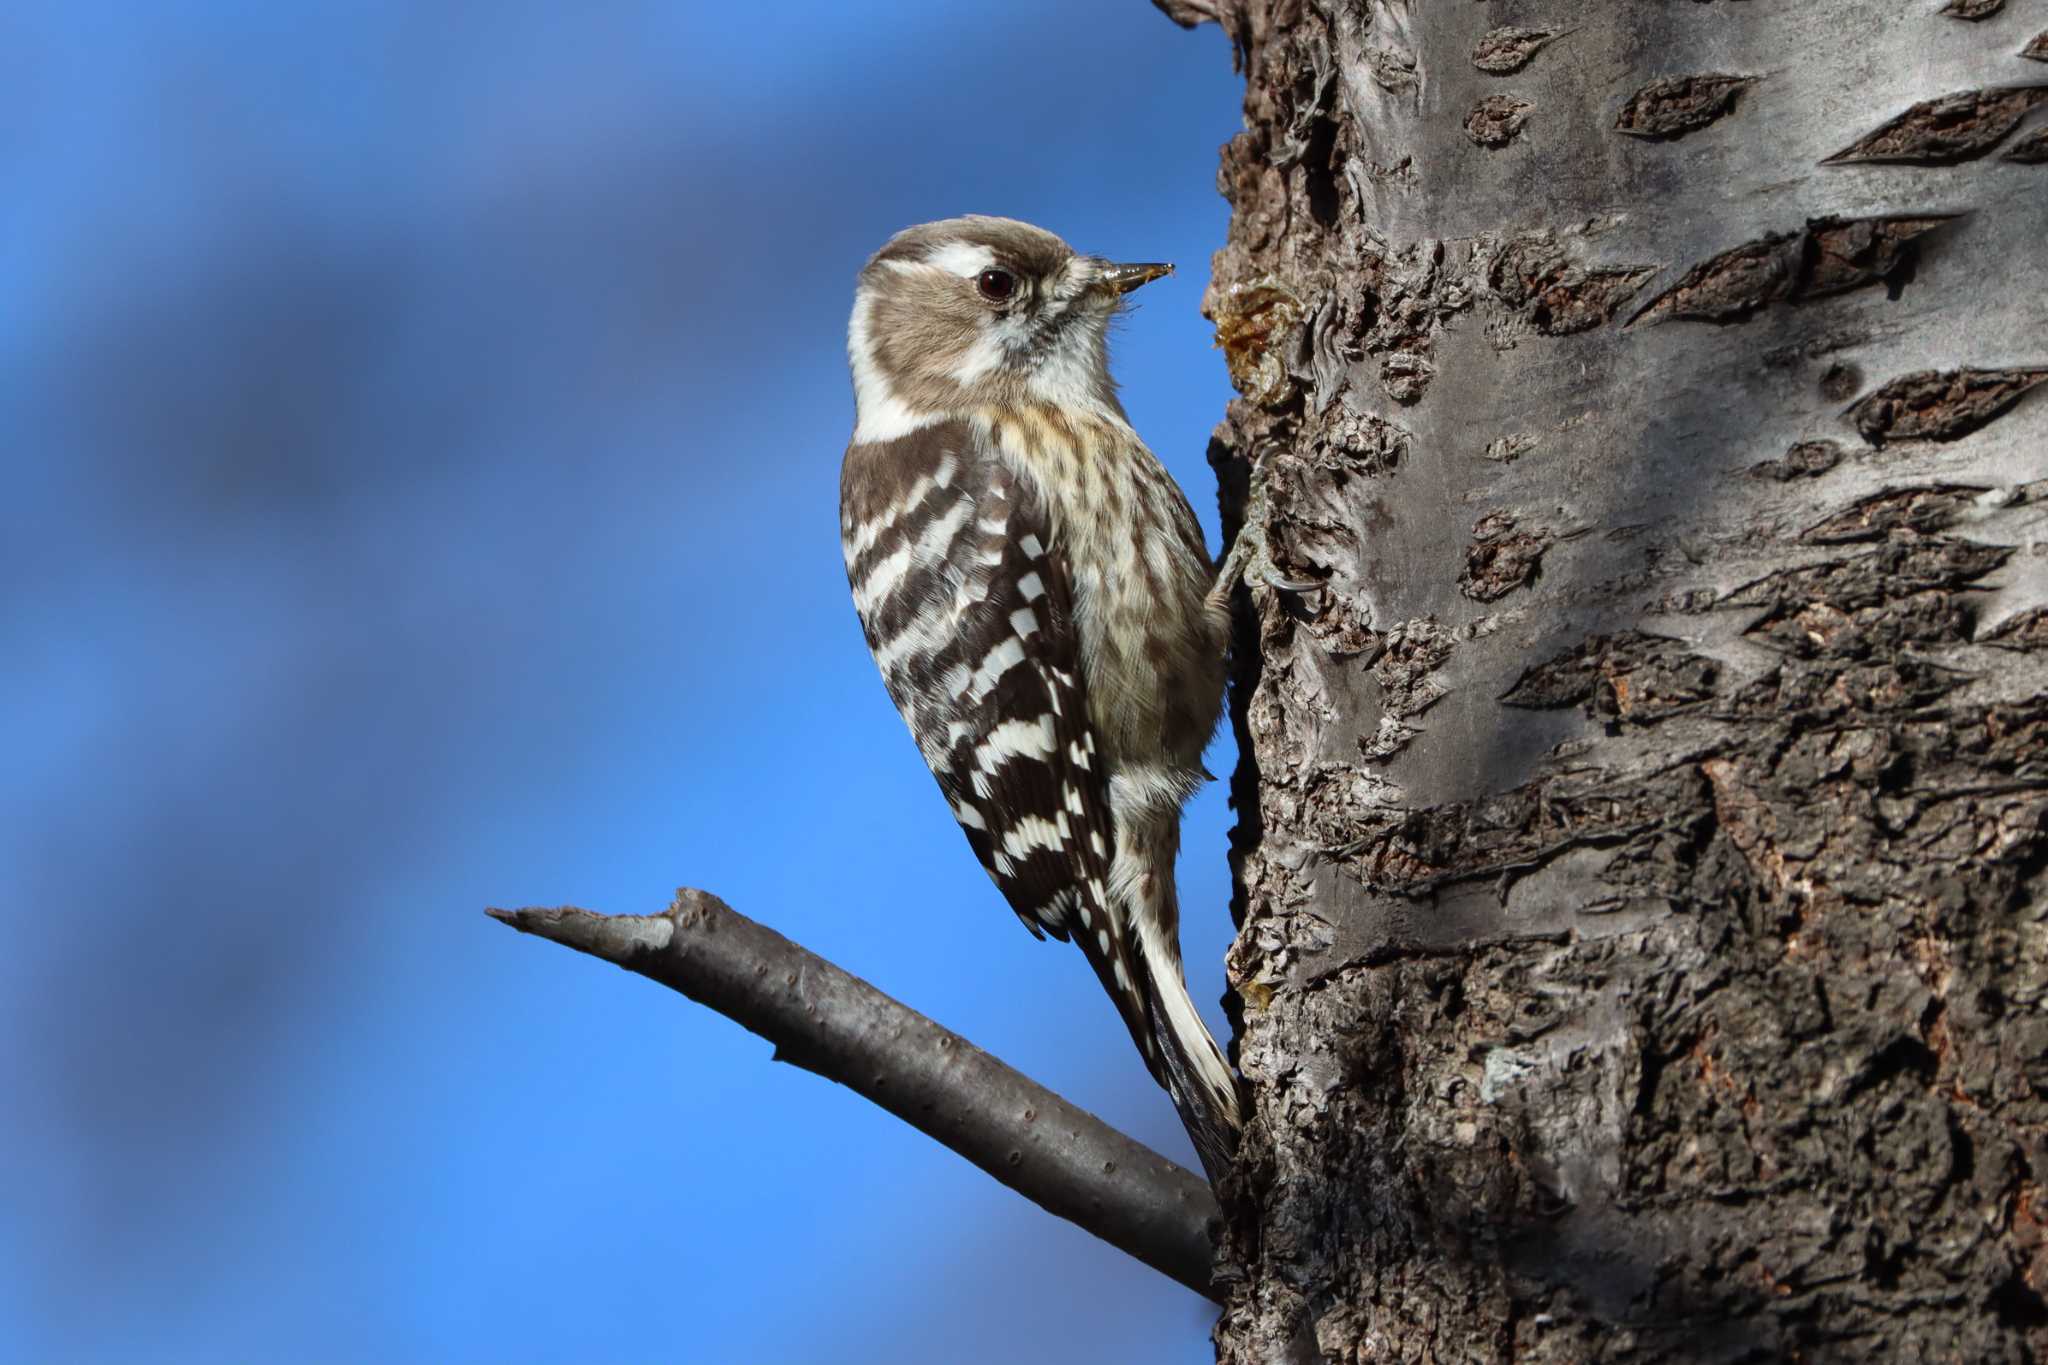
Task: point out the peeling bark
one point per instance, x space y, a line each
1643 845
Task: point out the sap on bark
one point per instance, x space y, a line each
1254 321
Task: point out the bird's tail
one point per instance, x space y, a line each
1190 1065
1113 953
1140 968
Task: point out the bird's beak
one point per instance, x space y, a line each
1124 278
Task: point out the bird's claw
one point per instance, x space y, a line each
1250 561
1272 579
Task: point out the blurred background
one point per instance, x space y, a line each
422 425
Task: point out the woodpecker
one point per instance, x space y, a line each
1038 597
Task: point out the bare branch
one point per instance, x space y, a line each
830 1022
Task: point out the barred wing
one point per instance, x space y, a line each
969 614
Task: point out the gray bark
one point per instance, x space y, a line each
1644 891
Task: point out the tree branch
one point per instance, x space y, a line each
830 1022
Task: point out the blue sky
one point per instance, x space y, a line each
422 423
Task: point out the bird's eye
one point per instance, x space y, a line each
996 285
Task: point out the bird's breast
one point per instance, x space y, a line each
1151 649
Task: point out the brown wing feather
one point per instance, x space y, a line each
968 609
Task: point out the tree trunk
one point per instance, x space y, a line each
1644 902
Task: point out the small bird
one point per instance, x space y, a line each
1039 600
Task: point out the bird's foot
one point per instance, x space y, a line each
1250 561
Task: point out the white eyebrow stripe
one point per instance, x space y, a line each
964 259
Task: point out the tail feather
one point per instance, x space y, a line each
1192 1070
1109 951
1151 995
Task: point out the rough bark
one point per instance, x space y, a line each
1643 892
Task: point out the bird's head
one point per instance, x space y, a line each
978 312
